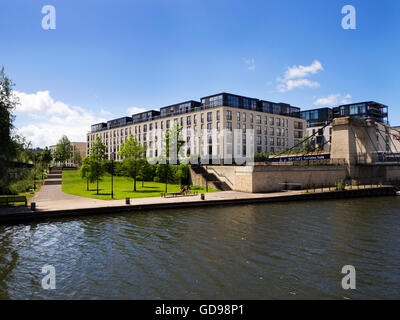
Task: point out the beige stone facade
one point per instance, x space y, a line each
272 132
77 147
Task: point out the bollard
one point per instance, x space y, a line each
127 201
33 206
202 196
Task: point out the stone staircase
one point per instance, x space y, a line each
211 178
54 177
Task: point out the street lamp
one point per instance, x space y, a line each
112 174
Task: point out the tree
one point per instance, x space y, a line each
63 150
46 157
146 172
7 104
182 172
174 143
307 145
165 173
133 157
85 171
77 158
97 157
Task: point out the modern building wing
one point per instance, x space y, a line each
365 110
317 117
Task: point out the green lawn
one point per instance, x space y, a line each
72 183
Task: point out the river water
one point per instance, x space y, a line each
266 251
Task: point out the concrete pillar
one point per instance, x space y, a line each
354 140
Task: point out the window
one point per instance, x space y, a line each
168 124
238 116
258 119
209 116
229 115
229 126
209 126
271 121
195 118
244 116
278 121
188 120
271 141
238 126
218 115
259 140
233 101
271 131
258 129
251 118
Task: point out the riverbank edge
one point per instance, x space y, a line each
29 216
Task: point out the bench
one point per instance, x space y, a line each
12 199
178 194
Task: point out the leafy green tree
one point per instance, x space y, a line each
174 143
85 171
63 150
46 157
146 172
133 157
307 145
97 157
165 173
77 158
182 173
7 104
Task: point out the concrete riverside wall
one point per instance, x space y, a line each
272 178
261 178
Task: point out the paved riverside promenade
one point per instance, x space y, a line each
52 203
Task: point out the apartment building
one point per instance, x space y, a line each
320 130
276 126
77 147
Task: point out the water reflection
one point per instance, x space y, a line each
265 251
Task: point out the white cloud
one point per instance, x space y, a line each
303 71
346 99
332 100
134 110
52 119
295 77
288 85
250 63
105 112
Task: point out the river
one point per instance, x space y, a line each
290 250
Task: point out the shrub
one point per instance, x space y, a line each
340 185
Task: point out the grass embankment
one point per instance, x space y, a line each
72 183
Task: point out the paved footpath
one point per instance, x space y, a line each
50 198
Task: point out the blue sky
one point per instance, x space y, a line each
107 57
